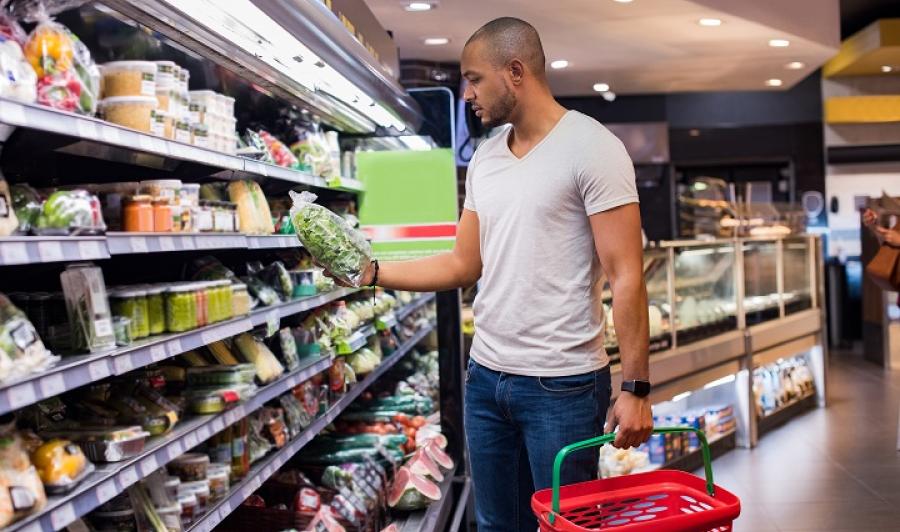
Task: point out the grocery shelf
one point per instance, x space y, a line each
264 468
266 315
272 241
690 462
94 137
126 243
434 517
387 321
414 305
36 249
356 341
111 479
786 411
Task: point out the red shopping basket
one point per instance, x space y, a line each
662 501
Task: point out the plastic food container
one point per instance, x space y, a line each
137 214
304 283
188 502
201 298
208 99
202 217
198 112
189 467
162 215
171 486
129 78
132 304
171 517
181 308
113 445
184 75
156 309
122 330
203 402
183 132
165 98
218 476
119 520
240 299
221 375
201 136
165 74
163 124
190 194
135 112
162 188
200 489
227 105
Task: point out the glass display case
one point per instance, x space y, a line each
705 295
797 293
762 294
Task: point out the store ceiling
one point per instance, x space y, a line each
642 46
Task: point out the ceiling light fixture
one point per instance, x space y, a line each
419 7
774 82
436 41
779 43
624 1
558 64
795 65
601 87
710 22
887 68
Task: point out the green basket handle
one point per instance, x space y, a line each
609 438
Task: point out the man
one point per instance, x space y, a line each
550 204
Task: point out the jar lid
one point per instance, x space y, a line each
138 198
129 100
166 64
119 66
236 287
185 186
192 458
162 201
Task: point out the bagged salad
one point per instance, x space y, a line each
336 246
21 349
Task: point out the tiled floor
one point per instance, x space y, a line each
832 469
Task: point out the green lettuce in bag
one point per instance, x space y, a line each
336 246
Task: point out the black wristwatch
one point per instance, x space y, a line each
638 388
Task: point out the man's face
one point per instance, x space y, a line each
487 89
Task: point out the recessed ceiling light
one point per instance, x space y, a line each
710 22
774 82
558 64
436 41
779 43
624 1
419 6
886 68
601 87
795 65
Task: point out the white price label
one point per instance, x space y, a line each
14 253
145 142
90 249
175 449
208 337
111 134
86 129
240 411
190 441
173 347
62 516
225 509
267 472
218 425
247 491
128 477
50 251
123 364
106 491
273 321
98 369
149 465
158 352
12 113
52 385
230 417
166 243
203 433
34 526
160 146
188 243
21 395
138 244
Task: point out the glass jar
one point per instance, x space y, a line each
137 214
203 217
181 308
162 215
156 309
217 475
240 300
122 330
132 304
201 304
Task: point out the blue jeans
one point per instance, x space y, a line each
514 427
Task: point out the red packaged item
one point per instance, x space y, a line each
279 152
307 500
324 521
255 501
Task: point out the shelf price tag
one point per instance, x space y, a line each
90 249
21 395
62 516
12 113
190 441
175 449
106 491
86 129
158 352
128 477
218 425
14 253
111 134
203 433
98 369
52 385
166 243
123 364
138 244
149 465
173 347
50 251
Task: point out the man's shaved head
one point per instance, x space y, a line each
509 38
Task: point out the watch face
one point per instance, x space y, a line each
638 388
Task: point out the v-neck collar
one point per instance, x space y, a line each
536 146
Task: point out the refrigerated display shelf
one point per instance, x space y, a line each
95 137
433 518
356 341
37 249
111 479
690 462
264 468
786 411
415 305
266 315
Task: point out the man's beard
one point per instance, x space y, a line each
502 110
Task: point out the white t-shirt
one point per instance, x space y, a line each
539 311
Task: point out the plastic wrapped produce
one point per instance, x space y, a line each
67 77
70 212
27 204
9 222
253 209
21 350
18 80
340 249
22 492
277 276
88 309
280 153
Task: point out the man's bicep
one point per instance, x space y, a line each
617 239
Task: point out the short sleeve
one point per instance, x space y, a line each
469 203
605 176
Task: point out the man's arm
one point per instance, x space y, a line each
617 237
455 269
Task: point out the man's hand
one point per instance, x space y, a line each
633 416
870 218
366 279
889 236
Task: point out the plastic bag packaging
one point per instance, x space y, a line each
10 29
254 215
17 78
88 308
337 247
27 204
277 276
21 490
21 349
70 212
67 77
279 153
312 150
9 222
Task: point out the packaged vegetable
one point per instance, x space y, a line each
9 222
267 366
18 80
21 490
90 319
21 350
280 153
70 212
277 276
11 30
61 465
253 210
68 79
261 291
27 204
337 247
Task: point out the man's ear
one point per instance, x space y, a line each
516 71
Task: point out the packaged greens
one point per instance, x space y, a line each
8 219
337 247
21 350
88 309
277 276
27 203
70 212
261 291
